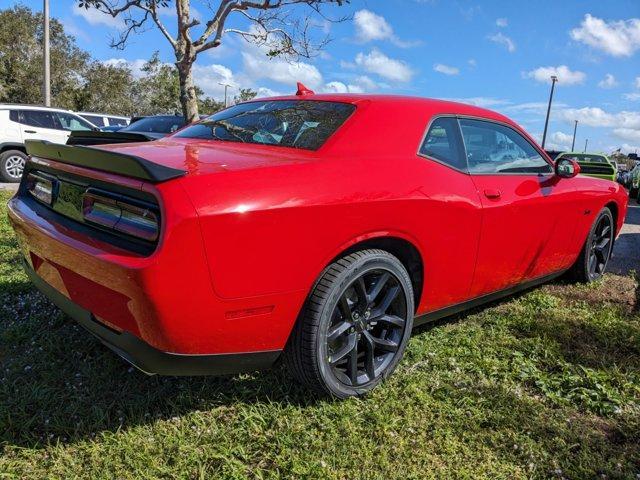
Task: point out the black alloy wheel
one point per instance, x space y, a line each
601 245
367 328
355 325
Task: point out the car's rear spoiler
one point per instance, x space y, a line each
105 160
102 138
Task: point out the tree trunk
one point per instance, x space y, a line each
188 98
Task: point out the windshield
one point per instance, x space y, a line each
168 124
288 123
585 157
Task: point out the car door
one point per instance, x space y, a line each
528 212
41 125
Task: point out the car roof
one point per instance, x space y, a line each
102 115
439 106
24 106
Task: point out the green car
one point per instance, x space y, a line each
593 164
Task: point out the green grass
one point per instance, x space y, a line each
544 385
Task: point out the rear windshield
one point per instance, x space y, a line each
155 125
585 157
287 123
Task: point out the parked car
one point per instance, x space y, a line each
634 182
105 121
316 228
593 164
19 123
141 129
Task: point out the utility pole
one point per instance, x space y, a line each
554 79
46 86
575 127
586 142
225 85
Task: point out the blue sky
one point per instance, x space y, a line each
497 54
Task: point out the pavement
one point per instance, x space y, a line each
626 253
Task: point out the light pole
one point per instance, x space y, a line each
586 142
46 86
225 85
554 79
575 127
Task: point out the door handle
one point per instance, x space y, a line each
30 131
492 193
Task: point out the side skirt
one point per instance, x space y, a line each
476 302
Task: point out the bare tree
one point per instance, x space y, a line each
272 26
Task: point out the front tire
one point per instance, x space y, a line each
596 252
12 164
355 325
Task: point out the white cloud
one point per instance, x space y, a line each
339 87
502 22
637 82
209 77
609 81
446 69
267 92
503 40
632 97
617 38
629 134
562 140
626 148
96 17
371 26
134 65
389 68
565 75
257 65
472 62
597 117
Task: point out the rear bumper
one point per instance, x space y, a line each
147 358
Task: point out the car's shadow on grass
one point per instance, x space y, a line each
60 384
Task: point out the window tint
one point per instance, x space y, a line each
156 124
585 157
66 121
38 118
443 143
303 124
95 119
117 121
13 116
495 148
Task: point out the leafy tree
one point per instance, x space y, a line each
209 106
21 59
106 88
270 26
245 95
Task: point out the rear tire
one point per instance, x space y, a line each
12 164
354 327
596 252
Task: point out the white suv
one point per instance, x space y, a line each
21 122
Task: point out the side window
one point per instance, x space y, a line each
38 118
443 143
13 116
71 122
494 148
117 121
95 119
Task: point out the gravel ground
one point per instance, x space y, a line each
8 186
626 253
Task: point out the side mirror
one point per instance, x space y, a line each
567 168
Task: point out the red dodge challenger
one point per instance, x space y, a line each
316 228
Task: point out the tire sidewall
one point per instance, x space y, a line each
604 212
4 158
361 267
